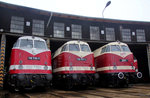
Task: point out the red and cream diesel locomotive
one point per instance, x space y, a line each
30 64
115 64
73 64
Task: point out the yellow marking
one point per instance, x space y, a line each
1 79
2 62
2 58
2 52
1 71
1 68
1 82
2 45
2 48
2 65
1 75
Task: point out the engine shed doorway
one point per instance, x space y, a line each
140 52
10 40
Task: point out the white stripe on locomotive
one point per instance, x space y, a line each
26 67
74 68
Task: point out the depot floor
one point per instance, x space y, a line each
133 91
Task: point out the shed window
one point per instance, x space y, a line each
110 34
94 33
38 27
126 35
17 24
140 35
59 30
76 31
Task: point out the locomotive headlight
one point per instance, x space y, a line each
71 68
20 67
120 75
45 67
132 67
136 70
115 67
45 63
20 62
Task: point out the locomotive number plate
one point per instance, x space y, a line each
81 59
33 58
123 60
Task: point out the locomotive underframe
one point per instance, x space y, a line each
70 80
29 81
112 79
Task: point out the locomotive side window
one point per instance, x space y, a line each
74 47
39 44
103 50
65 48
107 48
84 48
16 44
115 48
125 48
26 43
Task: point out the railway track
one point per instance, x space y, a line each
136 91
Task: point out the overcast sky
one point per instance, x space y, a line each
138 10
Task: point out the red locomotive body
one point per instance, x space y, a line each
73 64
30 64
115 64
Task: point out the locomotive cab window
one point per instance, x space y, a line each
74 47
115 48
65 48
105 49
85 48
125 48
26 43
39 44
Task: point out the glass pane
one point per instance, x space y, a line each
38 27
76 31
59 30
107 48
103 50
39 44
110 34
140 35
25 43
125 48
84 48
94 33
17 24
65 48
126 35
74 47
115 48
